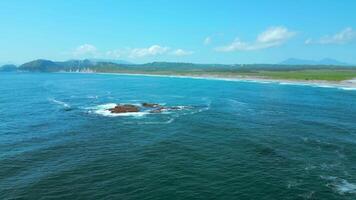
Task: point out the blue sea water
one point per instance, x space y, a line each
230 140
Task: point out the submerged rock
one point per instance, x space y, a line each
124 108
151 105
158 110
174 108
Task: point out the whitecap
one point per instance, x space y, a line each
92 97
347 88
103 106
107 113
172 111
103 110
285 83
345 187
65 105
340 185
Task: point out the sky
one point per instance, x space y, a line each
199 31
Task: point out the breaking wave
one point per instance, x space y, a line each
340 185
103 110
348 88
145 116
257 80
153 122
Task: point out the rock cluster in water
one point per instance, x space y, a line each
124 108
150 107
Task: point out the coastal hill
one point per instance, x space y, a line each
8 68
275 71
42 65
325 61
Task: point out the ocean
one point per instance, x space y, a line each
228 139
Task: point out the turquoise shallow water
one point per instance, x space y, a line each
231 140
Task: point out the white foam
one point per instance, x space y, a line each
107 113
103 106
182 107
103 110
319 85
152 123
348 88
346 187
92 97
340 185
59 102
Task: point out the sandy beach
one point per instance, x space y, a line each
345 85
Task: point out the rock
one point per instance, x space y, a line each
151 105
147 107
124 108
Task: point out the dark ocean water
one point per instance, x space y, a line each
230 140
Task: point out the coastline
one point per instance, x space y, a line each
345 85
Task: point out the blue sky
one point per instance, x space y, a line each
253 31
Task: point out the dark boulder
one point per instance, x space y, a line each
124 109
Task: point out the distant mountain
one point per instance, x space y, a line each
86 65
325 61
8 68
40 65
167 67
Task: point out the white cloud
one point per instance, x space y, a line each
156 50
85 50
275 35
88 50
115 53
272 37
342 37
153 50
181 52
207 40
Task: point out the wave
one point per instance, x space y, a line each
145 116
340 185
65 105
319 85
348 88
92 97
103 110
171 112
107 113
153 122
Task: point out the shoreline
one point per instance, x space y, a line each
345 85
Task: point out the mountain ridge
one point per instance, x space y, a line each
324 61
42 65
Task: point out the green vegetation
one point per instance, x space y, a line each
321 74
290 72
8 68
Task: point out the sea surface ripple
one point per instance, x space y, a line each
229 140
